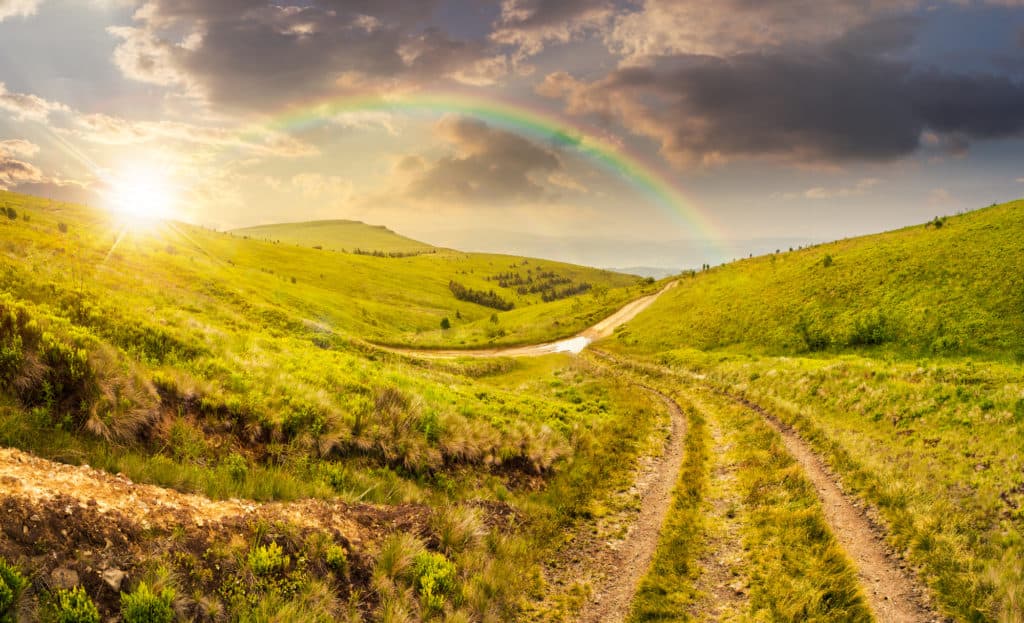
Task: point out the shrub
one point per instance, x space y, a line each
445 323
814 338
236 466
11 213
435 578
828 261
268 559
337 558
62 227
11 585
870 330
74 606
146 606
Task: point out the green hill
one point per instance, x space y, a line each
235 367
947 288
336 235
899 358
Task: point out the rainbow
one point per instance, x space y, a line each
646 177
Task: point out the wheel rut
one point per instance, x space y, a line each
894 593
626 565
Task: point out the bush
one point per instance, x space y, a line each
435 578
870 330
74 606
445 323
237 467
12 583
828 261
814 338
62 227
11 213
268 559
146 606
337 558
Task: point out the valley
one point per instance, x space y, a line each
270 430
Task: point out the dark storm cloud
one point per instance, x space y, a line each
251 54
847 100
489 166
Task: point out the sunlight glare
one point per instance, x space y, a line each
141 193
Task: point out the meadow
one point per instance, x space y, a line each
234 367
231 367
898 358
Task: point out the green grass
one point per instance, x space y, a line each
915 292
235 367
336 235
900 361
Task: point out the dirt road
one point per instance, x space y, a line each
573 345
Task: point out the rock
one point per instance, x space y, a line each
113 577
64 578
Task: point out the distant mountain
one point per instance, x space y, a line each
648 271
336 235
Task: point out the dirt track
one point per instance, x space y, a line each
624 566
573 344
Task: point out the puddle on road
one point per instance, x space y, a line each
574 345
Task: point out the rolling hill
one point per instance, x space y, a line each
949 287
336 235
898 358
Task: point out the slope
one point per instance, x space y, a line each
336 235
897 358
947 288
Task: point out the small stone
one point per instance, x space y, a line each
113 577
64 578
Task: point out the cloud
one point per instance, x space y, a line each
15 172
255 55
18 147
110 130
25 106
22 8
830 104
488 167
860 188
718 27
531 24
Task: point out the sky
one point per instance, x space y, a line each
616 133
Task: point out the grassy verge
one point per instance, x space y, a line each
667 591
935 447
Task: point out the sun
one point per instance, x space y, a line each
141 193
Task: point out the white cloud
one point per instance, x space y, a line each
22 8
18 147
26 106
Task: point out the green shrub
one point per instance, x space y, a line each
871 329
11 213
12 583
62 227
828 261
236 466
337 558
74 606
445 323
268 559
146 606
435 578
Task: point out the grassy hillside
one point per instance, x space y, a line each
239 368
925 290
899 357
336 235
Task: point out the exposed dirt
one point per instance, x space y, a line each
894 593
573 344
60 521
616 567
